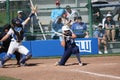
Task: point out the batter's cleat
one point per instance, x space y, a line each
57 64
1 65
80 64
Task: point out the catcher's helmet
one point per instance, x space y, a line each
16 22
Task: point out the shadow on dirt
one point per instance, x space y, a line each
16 66
84 64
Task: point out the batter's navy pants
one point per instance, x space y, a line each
65 57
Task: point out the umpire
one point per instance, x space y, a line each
5 44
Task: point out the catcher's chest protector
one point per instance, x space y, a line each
19 33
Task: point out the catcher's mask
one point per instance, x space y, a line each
16 22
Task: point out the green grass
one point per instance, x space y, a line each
7 78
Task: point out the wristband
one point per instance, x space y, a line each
31 15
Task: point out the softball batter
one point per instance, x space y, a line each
67 41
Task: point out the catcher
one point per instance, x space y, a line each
17 33
5 45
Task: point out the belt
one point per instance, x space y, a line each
15 41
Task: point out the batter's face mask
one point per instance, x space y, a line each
67 33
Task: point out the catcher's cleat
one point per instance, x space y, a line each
1 65
22 64
18 63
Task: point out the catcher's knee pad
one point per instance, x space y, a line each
6 58
28 56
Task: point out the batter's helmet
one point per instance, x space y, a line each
65 28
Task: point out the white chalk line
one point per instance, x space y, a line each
110 63
96 74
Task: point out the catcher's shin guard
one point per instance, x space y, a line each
6 58
25 58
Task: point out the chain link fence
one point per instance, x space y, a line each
13 7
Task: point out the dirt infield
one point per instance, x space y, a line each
95 68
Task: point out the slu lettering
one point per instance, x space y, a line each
84 45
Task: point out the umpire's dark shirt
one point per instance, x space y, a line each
5 43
